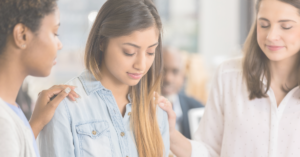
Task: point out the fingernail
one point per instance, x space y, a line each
68 90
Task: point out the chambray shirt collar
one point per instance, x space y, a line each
90 83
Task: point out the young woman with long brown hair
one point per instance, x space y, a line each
253 108
117 114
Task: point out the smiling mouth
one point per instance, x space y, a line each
135 75
274 48
55 61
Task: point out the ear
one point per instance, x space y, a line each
20 36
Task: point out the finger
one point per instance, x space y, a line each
74 94
60 97
71 97
168 108
56 89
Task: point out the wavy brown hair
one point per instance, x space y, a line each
118 18
255 64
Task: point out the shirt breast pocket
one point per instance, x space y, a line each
94 139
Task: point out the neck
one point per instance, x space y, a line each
11 79
118 89
284 72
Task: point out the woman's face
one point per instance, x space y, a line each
40 53
278 30
128 58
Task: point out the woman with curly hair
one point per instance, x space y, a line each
28 46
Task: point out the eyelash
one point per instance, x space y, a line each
286 28
264 26
127 54
281 27
56 35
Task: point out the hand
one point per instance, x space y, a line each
47 103
166 105
179 145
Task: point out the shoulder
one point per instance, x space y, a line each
230 70
231 66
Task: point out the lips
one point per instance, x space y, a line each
54 61
274 48
135 75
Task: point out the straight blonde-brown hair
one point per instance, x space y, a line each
118 18
256 63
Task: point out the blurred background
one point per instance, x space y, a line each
207 32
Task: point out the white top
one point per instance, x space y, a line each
15 137
234 126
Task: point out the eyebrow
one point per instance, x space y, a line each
136 46
285 20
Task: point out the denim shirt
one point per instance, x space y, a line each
93 127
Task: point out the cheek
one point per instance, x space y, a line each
150 62
292 40
116 61
261 36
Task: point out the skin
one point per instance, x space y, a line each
278 24
33 53
174 72
273 19
134 54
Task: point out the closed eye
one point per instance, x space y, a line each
128 54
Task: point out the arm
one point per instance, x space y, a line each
179 144
56 139
46 105
210 133
9 144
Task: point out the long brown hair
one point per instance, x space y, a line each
118 18
255 64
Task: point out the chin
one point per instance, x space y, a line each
41 73
132 82
275 56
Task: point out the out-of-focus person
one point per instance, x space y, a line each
173 83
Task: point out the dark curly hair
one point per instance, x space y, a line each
28 12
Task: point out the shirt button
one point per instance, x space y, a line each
122 134
94 132
129 113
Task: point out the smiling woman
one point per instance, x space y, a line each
253 108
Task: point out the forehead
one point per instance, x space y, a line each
51 19
145 37
275 9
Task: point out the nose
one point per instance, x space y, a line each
140 62
273 34
167 76
59 45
